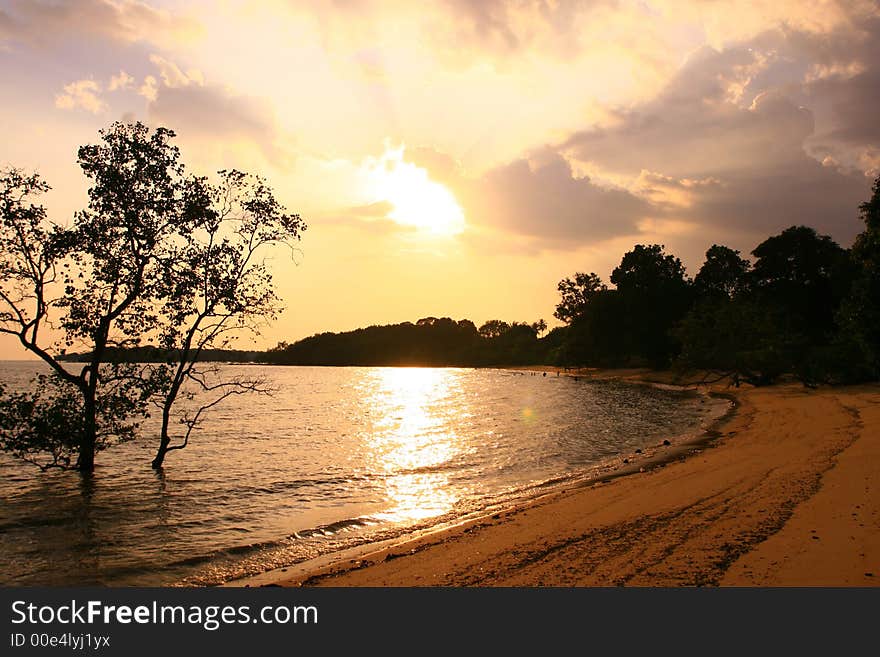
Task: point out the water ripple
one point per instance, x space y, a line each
338 457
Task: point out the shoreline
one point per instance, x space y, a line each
729 508
621 465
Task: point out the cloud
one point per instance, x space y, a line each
735 119
537 201
442 167
846 83
82 94
7 26
150 88
171 74
855 105
694 126
506 26
214 112
182 100
541 198
372 217
379 209
121 80
44 22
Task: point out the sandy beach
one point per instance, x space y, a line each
784 493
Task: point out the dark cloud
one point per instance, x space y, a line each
855 103
541 198
692 129
741 118
851 89
213 112
767 200
488 20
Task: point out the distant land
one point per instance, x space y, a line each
430 341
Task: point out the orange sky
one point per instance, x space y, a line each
457 158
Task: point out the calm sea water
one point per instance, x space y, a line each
335 458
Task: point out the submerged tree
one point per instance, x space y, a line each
218 288
157 254
92 282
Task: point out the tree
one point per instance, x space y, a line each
655 295
576 294
868 242
738 338
723 275
494 328
218 288
539 327
806 274
92 280
858 318
648 269
790 317
601 337
150 257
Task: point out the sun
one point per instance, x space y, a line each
416 200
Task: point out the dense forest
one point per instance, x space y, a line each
803 305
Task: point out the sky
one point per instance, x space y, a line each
457 158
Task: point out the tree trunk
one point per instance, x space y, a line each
86 459
161 452
85 462
165 439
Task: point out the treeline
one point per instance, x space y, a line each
804 306
431 341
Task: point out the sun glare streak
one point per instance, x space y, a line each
411 439
417 200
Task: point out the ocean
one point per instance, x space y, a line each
333 459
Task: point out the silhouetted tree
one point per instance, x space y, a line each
132 266
630 324
656 295
807 275
494 328
217 288
723 275
857 343
431 341
576 293
782 321
603 336
738 338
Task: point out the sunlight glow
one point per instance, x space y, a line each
411 440
416 199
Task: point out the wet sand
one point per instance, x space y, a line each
786 492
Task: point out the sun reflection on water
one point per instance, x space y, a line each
412 437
